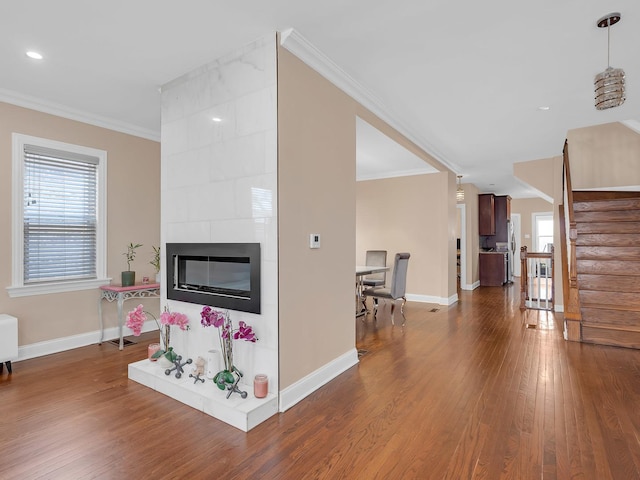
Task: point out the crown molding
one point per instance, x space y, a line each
397 173
58 110
318 61
632 124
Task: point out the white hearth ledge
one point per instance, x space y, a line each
243 414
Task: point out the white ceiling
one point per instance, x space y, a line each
378 156
463 79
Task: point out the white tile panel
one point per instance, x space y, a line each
219 184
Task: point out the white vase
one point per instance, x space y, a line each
164 362
243 360
213 363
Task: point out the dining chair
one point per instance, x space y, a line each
375 258
397 289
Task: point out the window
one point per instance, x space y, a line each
58 216
543 231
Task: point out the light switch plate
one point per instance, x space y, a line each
314 240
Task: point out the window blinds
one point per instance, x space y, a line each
60 215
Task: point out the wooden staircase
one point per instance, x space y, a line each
608 266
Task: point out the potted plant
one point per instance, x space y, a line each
138 316
228 378
156 262
129 277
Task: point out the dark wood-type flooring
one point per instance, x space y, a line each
475 390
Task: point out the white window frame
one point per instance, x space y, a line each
18 288
534 229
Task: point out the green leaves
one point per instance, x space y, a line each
223 379
171 355
131 253
156 258
158 354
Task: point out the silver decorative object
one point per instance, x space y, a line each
609 85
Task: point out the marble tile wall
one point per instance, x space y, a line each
219 184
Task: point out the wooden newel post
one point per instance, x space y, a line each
524 277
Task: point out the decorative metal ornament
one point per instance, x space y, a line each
460 191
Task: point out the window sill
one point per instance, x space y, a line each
59 287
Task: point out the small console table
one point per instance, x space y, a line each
116 292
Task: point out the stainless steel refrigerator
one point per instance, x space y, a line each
510 248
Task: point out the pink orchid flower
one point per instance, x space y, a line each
136 319
245 332
175 318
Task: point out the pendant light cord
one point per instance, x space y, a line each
608 42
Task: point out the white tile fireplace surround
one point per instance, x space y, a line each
206 397
219 185
250 358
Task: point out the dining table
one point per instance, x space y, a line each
361 272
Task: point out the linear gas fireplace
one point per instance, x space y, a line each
225 275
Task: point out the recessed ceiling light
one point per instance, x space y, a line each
216 119
34 55
543 108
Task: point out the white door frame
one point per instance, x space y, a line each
517 233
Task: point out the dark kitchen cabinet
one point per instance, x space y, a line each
486 210
493 269
502 213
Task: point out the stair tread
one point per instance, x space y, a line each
607 239
607 253
586 266
607 227
597 195
606 204
617 328
607 336
607 306
609 282
608 267
631 215
620 318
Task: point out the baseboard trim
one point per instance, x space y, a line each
63 344
432 299
473 286
309 384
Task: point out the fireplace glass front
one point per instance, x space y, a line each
223 275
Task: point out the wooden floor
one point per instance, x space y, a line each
474 390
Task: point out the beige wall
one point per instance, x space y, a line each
537 174
526 207
133 209
470 202
411 214
316 194
604 156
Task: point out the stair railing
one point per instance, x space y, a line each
536 280
572 315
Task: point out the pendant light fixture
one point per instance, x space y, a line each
609 85
460 191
